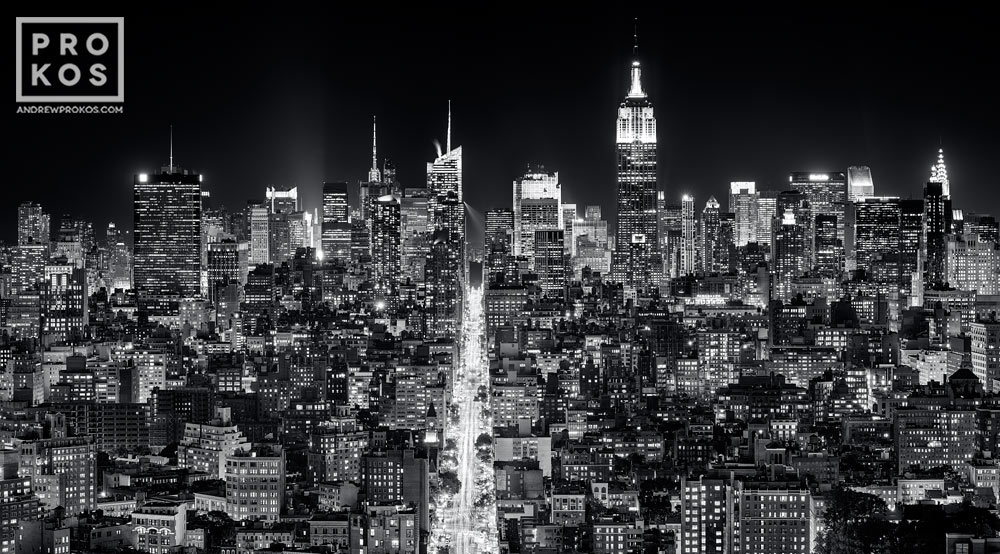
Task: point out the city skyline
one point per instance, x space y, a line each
455 361
736 121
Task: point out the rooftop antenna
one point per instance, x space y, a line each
373 174
448 140
635 37
171 149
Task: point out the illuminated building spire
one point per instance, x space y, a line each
635 91
447 147
373 173
171 149
939 174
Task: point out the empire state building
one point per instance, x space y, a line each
636 237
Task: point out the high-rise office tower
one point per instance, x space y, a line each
876 230
636 232
743 203
972 263
767 211
385 245
829 248
259 233
592 248
336 224
64 306
414 237
447 213
670 237
550 261
537 204
167 234
827 195
227 265
859 183
689 240
800 205
937 224
443 283
569 221
119 259
709 236
911 241
499 226
446 204
282 200
724 253
33 225
788 252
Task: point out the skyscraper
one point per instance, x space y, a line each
911 241
282 200
336 225
859 183
636 233
443 284
227 265
33 225
743 203
414 237
937 224
537 199
827 195
167 234
788 252
499 225
767 211
688 239
447 213
550 261
939 174
709 235
829 248
569 221
385 245
876 229
260 236
591 236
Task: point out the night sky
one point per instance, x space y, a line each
258 101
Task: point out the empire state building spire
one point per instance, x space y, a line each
635 91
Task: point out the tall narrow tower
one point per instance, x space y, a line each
636 233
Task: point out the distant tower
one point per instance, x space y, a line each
636 233
688 237
385 245
166 216
336 227
939 174
373 174
446 209
537 198
859 183
789 252
743 203
710 235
